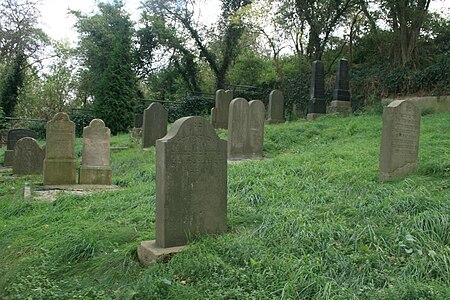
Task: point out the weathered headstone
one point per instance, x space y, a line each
399 140
276 107
219 115
317 104
95 167
245 129
191 187
155 124
59 162
13 136
136 132
28 157
341 94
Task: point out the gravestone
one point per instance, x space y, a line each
219 115
341 94
276 107
59 162
399 140
95 167
136 132
317 104
154 125
245 129
13 136
28 157
191 187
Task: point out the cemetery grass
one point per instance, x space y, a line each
311 221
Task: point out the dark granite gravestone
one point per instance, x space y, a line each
341 93
13 136
399 140
191 187
317 104
155 124
276 107
28 157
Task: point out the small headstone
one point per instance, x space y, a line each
317 104
341 94
399 140
155 124
276 107
191 187
221 109
59 163
13 136
245 129
136 132
28 157
95 167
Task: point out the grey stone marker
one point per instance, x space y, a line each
13 136
341 94
59 162
136 132
28 157
317 104
191 188
219 115
399 140
155 124
245 129
95 167
276 107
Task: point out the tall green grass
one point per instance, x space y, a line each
311 221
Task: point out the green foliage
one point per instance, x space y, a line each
11 83
81 120
190 106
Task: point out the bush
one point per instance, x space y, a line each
189 106
81 120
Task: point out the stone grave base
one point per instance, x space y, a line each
60 171
9 158
95 175
238 160
51 192
313 116
136 133
148 252
398 173
274 121
342 107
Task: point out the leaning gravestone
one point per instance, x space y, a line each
276 107
219 115
154 125
317 104
245 129
59 163
137 129
28 157
341 94
399 140
95 167
13 136
191 187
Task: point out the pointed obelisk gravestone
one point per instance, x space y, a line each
191 187
136 132
219 114
59 162
28 157
13 136
276 107
399 140
317 104
154 124
341 94
95 167
245 129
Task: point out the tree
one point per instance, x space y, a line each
11 83
107 56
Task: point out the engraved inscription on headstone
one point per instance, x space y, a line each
400 140
155 124
95 167
28 157
245 129
317 103
276 107
59 163
13 136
